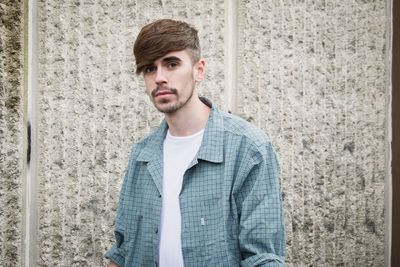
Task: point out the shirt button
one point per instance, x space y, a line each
155 264
159 195
156 230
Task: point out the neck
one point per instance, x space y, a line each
189 119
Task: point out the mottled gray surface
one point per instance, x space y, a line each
312 74
11 132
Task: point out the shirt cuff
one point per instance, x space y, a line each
264 260
116 255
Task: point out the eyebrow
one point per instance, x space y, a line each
171 58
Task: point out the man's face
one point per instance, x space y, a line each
171 80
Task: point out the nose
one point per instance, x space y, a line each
161 76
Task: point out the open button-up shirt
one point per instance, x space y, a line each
230 200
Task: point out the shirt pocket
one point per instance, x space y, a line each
211 226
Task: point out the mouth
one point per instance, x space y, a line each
163 91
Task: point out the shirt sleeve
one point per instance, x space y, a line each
261 229
117 252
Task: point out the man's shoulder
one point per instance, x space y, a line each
236 125
247 137
149 137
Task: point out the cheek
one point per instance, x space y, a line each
190 77
149 87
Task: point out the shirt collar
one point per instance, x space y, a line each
212 145
211 148
154 144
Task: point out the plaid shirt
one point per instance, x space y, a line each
230 200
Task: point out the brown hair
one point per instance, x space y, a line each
161 37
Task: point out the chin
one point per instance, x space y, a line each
168 108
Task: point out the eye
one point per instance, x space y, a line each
172 64
149 69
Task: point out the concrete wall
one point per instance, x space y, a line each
313 76
310 73
12 132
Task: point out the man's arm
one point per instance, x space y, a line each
116 254
262 232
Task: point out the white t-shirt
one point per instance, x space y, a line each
178 154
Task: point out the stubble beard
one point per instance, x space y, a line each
173 107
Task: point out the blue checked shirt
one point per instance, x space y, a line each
230 200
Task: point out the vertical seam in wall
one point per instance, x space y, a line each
388 135
26 134
240 69
30 184
230 54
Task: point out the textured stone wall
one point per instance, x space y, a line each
12 132
311 73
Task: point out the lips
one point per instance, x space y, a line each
161 91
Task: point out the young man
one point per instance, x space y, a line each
202 189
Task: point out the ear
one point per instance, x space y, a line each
200 70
